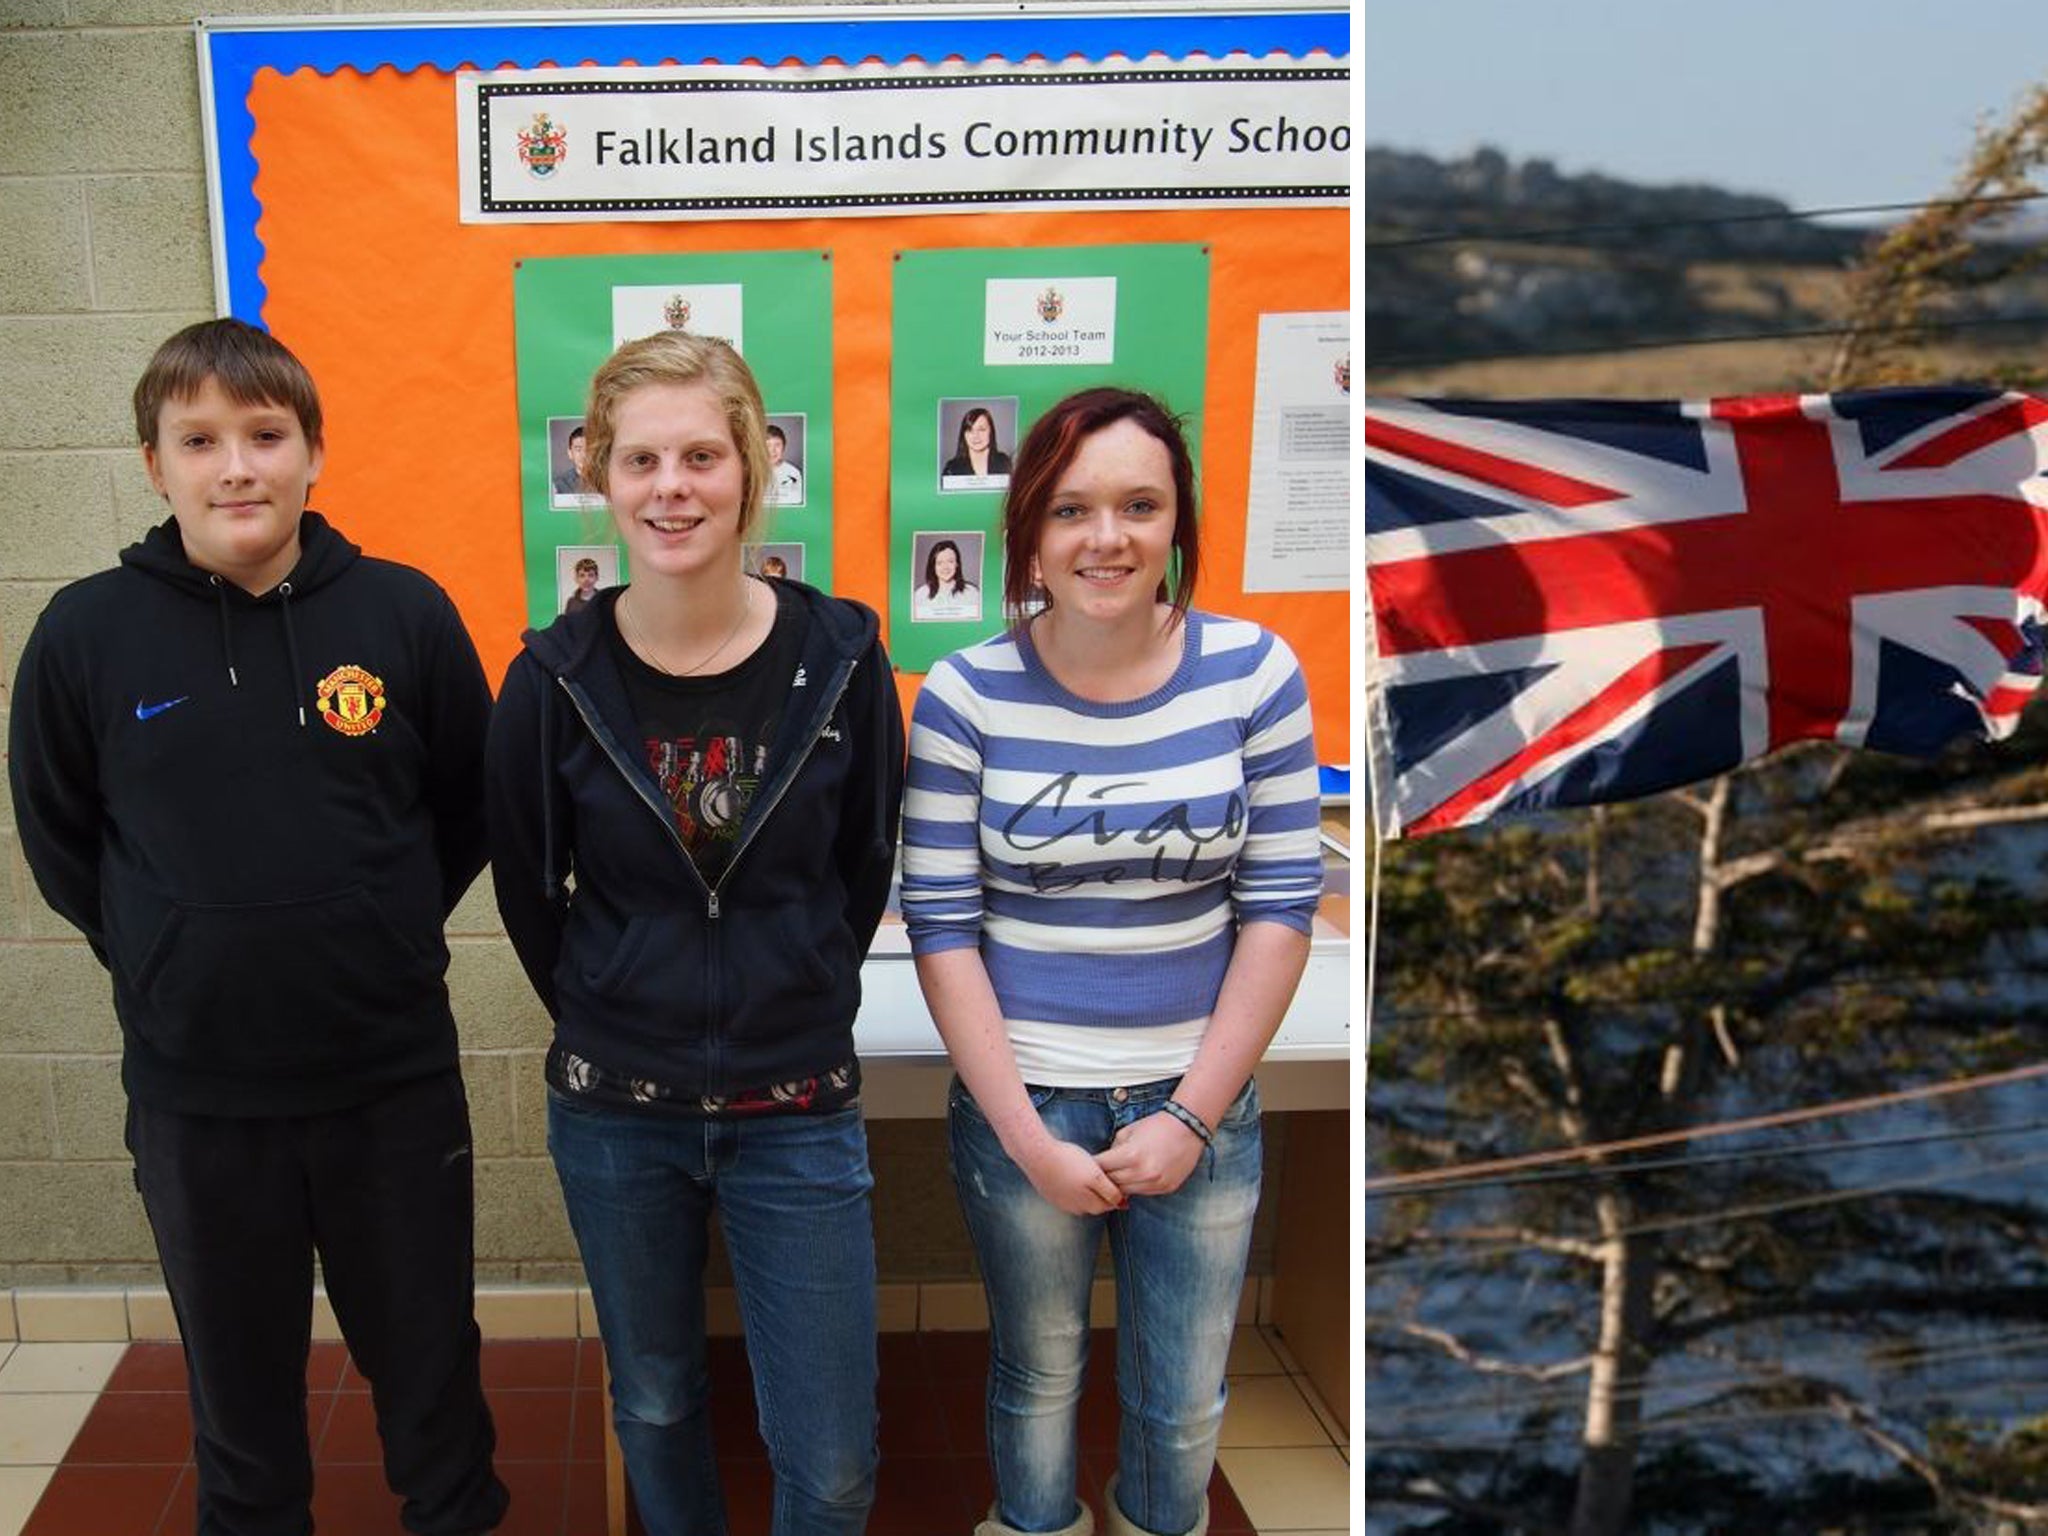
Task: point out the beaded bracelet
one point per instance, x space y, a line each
1191 1120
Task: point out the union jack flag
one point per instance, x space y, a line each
1575 601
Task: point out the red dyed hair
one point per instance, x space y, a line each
1049 448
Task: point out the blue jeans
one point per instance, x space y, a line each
1180 1262
792 1194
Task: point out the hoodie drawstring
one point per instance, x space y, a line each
291 647
879 731
548 884
227 633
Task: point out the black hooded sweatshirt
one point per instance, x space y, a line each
259 811
645 967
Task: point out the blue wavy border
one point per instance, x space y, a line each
234 55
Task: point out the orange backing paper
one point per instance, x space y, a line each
405 316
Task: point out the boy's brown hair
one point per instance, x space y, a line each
251 366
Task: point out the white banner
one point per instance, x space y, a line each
544 146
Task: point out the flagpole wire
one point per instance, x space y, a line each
1545 233
1831 1109
1401 362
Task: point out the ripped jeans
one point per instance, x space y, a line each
1180 1262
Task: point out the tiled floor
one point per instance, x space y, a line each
95 1440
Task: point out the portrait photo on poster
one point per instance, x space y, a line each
566 485
787 453
946 577
972 433
581 572
776 561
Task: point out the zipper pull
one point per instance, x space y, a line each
714 904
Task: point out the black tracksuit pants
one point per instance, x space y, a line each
383 1192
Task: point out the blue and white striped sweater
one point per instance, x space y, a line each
1101 856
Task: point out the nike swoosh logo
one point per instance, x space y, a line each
151 711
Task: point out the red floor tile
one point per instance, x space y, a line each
328 1366
1226 1515
350 1436
532 1426
589 1362
129 1474
586 1427
962 1403
103 1501
1102 1354
319 1414
181 1514
978 1484
900 1356
913 1418
726 1360
540 1500
1095 1473
159 1366
749 1495
1100 1417
584 1507
527 1364
924 1496
135 1429
735 1422
149 1368
953 1355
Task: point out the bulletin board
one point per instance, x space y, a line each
940 373
572 311
334 184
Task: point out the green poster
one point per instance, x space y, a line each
984 341
571 311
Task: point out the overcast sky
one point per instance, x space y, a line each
1819 102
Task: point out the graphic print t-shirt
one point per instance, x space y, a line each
707 738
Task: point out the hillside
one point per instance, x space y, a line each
1477 268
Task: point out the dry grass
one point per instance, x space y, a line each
1772 294
1688 373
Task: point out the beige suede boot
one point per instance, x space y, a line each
1084 1525
1115 1523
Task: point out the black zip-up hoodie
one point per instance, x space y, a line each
259 811
644 967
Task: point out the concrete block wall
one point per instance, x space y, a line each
103 208
103 202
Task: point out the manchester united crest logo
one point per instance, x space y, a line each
1051 305
543 146
677 313
350 700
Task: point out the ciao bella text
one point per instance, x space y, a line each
1169 846
979 141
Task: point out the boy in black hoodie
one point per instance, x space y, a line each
247 765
